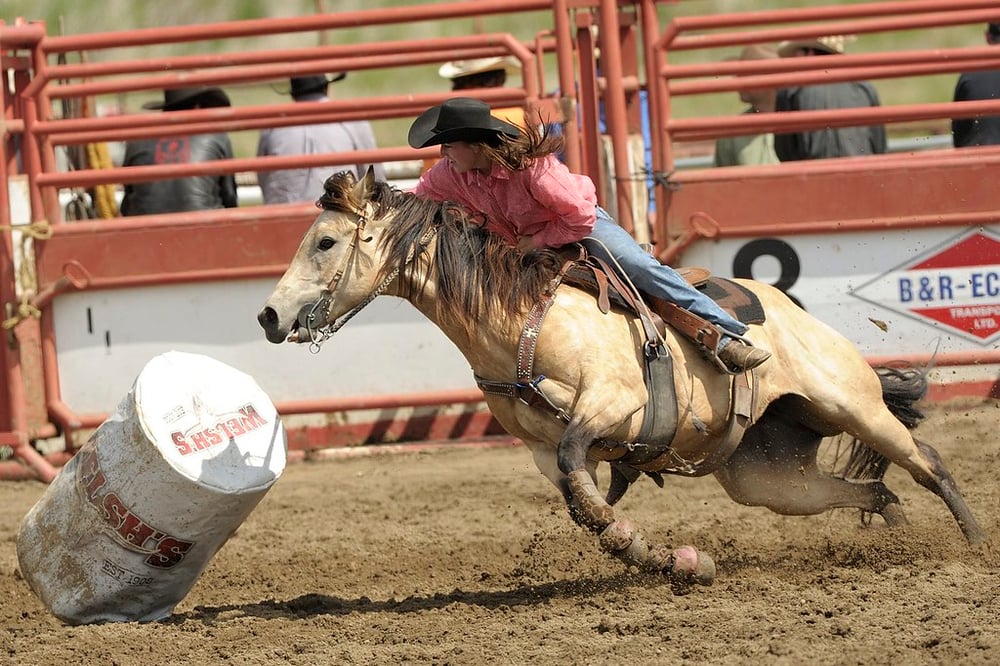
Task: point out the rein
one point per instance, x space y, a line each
321 308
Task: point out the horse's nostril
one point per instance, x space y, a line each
267 317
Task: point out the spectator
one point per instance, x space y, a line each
985 130
830 141
485 73
181 194
757 148
306 184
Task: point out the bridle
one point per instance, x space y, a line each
320 310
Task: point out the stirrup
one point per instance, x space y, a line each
720 365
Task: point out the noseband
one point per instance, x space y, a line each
319 311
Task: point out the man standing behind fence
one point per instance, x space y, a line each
306 184
827 141
754 148
984 130
181 194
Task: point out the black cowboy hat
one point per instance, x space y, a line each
303 85
458 119
180 98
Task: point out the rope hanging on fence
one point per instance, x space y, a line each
41 230
25 310
101 203
105 203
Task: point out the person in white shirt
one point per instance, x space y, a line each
306 184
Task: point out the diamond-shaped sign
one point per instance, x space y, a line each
956 285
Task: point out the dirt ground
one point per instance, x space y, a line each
468 557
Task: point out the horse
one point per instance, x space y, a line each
585 399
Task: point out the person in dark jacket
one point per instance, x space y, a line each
830 141
985 130
181 194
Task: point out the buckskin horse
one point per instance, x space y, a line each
576 390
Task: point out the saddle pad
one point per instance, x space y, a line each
735 299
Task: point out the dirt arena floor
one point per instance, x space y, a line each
468 557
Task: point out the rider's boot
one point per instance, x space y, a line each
729 354
740 357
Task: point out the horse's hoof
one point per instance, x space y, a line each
688 566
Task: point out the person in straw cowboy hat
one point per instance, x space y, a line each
181 194
830 141
479 72
485 73
756 148
511 178
306 184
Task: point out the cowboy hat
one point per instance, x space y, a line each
832 44
458 119
755 52
459 68
303 85
183 98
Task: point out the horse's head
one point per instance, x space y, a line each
335 267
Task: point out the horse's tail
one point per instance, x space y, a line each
902 387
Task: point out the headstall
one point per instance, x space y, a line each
320 310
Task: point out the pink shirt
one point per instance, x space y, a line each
545 201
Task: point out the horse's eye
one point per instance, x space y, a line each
326 243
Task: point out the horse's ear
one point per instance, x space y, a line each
363 190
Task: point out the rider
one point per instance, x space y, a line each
513 178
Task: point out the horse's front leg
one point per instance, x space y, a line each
620 536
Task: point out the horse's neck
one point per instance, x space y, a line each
489 348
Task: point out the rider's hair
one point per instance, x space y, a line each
517 154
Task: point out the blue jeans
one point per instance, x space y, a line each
652 277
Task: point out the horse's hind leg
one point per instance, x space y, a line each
775 467
865 417
944 486
881 431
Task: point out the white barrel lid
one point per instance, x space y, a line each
210 422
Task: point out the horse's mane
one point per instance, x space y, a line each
480 278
